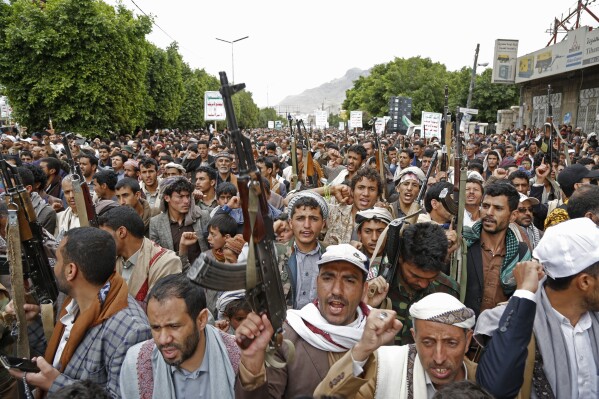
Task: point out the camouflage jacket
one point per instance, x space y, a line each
288 268
340 224
401 300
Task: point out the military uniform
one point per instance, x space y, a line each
401 300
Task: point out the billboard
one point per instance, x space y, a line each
579 49
504 61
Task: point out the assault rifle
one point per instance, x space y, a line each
260 276
310 174
83 199
40 272
294 183
456 207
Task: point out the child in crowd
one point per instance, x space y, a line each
220 228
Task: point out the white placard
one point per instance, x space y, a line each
271 124
321 119
379 125
431 124
341 125
355 119
214 106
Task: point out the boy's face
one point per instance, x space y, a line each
230 256
237 318
215 238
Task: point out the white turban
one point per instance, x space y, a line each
443 308
226 298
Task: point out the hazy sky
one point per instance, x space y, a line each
298 45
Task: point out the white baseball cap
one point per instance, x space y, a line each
344 253
568 248
532 200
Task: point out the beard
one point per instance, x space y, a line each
187 349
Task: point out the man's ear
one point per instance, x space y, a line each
469 336
71 271
137 195
202 319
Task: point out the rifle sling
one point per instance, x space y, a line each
250 276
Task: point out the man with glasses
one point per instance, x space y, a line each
524 218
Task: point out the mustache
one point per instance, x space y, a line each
489 219
169 346
335 298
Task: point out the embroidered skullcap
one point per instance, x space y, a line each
344 253
472 174
309 194
410 172
235 244
568 248
175 165
376 213
133 163
222 154
443 308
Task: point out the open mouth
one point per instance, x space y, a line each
440 373
336 307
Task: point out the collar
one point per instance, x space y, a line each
583 324
313 252
132 260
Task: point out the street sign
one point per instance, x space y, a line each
214 106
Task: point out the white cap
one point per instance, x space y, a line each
414 170
568 248
344 253
377 213
532 200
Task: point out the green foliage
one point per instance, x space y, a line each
81 62
489 97
89 67
195 83
269 114
424 82
246 110
165 86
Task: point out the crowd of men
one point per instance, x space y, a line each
517 316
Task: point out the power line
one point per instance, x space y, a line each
152 19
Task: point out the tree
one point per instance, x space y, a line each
81 62
269 114
246 110
195 83
165 86
424 82
489 97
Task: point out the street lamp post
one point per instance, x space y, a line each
473 77
232 59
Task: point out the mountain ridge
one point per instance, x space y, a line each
328 96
